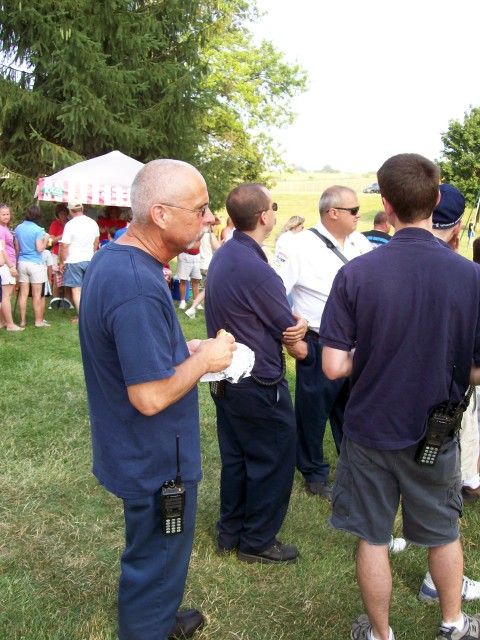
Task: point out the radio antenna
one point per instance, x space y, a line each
178 479
450 392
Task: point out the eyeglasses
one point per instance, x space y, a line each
203 210
353 210
274 207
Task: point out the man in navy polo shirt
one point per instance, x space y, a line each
255 418
141 380
416 334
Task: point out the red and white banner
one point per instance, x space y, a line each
104 180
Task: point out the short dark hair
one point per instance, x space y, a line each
245 203
410 183
112 209
476 250
33 213
61 206
380 218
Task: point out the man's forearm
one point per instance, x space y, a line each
63 252
336 363
475 375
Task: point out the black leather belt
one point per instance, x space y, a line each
313 335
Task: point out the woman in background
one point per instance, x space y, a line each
30 241
293 225
8 271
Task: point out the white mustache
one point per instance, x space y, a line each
197 238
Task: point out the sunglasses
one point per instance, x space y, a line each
353 210
274 207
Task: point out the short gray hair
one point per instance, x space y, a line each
331 198
155 183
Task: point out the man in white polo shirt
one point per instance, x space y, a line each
315 256
77 246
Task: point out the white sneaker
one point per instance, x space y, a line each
428 592
199 306
182 304
397 545
190 312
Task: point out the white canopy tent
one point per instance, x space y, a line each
104 180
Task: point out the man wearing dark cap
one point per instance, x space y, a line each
411 345
446 226
447 216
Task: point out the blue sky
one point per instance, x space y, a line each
384 77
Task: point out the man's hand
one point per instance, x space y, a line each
295 333
193 345
207 356
217 352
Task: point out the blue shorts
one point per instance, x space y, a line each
369 484
74 273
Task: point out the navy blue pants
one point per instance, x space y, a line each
317 399
256 435
154 568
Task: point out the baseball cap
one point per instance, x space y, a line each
75 205
450 208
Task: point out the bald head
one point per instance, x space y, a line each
163 181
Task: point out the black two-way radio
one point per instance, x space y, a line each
442 422
173 501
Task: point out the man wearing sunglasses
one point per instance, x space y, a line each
255 419
308 275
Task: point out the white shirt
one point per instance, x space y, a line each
282 248
80 233
206 250
47 261
311 267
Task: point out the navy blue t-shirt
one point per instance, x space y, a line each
247 297
411 308
129 333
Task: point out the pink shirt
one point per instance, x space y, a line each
7 238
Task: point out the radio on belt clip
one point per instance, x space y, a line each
172 501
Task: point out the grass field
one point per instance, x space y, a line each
61 534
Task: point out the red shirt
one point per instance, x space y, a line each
56 229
